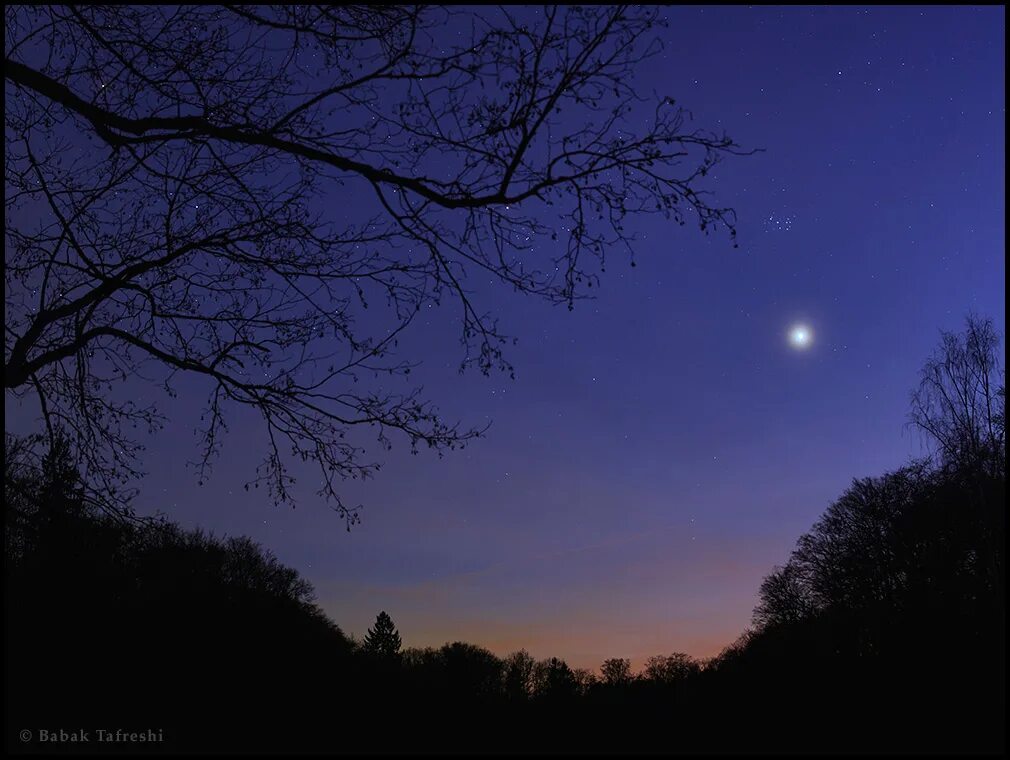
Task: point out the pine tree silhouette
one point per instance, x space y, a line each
383 638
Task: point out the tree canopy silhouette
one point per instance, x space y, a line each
901 569
170 175
670 669
616 671
926 530
518 671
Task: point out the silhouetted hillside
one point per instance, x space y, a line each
147 624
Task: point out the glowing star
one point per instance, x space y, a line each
800 337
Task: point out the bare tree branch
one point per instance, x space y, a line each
165 167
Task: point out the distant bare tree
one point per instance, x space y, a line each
173 176
961 405
961 399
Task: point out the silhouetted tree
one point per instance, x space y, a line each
518 674
858 554
585 680
554 680
616 671
382 639
164 167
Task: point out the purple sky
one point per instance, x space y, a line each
663 446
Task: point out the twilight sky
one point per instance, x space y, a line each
663 446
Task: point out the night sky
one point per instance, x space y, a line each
663 446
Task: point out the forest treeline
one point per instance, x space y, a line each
884 630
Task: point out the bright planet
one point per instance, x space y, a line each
800 337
